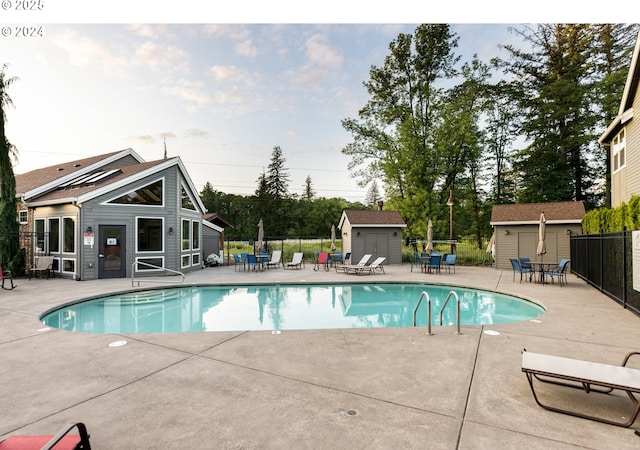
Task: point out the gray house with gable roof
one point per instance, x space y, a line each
98 216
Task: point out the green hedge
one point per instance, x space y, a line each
604 220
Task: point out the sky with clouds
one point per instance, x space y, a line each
220 96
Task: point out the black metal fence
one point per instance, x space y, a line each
605 261
33 245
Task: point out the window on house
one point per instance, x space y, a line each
68 235
149 236
195 235
618 151
23 216
187 203
54 235
149 195
186 236
39 229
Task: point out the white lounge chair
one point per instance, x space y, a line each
362 263
275 259
581 374
371 268
296 263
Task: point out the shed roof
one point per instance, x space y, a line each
529 213
368 218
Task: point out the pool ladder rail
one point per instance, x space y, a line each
135 265
425 294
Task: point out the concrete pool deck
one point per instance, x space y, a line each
383 388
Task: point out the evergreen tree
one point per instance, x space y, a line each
308 192
9 226
613 48
373 194
277 178
555 82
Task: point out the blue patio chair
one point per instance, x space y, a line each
449 261
434 262
415 260
253 263
517 268
559 272
525 263
347 258
237 262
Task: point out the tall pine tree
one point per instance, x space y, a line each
9 226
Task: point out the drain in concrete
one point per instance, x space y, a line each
351 412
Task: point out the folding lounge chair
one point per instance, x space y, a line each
275 259
363 262
579 374
323 260
296 262
6 276
61 441
371 268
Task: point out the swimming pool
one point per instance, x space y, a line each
284 307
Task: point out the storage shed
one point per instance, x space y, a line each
378 233
516 230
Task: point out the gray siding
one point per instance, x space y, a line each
379 241
95 214
522 241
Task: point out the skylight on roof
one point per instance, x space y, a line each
91 178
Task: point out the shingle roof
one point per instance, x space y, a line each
367 217
560 212
125 172
39 177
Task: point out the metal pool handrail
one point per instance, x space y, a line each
454 294
415 310
133 272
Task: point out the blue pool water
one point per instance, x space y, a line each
285 307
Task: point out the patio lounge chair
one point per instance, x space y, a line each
371 268
6 276
581 374
517 268
450 261
61 441
275 259
323 260
295 263
559 272
363 262
43 266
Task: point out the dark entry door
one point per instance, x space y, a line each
112 256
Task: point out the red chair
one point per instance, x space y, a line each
323 260
61 441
